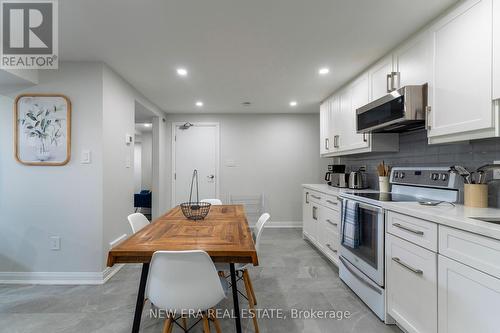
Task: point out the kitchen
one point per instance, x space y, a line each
415 235
164 175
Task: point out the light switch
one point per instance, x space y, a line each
86 157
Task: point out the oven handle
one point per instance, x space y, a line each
359 277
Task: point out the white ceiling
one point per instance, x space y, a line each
263 51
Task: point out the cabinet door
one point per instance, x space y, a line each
380 78
412 62
314 213
335 123
496 50
411 285
461 90
345 124
324 123
306 213
468 299
359 96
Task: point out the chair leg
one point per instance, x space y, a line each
167 327
251 300
206 325
216 323
246 276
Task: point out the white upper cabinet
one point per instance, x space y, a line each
412 62
381 78
460 95
324 120
496 50
359 94
335 126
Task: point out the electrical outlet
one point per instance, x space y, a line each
55 243
496 173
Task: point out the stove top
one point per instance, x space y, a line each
389 197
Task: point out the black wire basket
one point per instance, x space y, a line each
195 210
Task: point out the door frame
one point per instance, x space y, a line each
217 155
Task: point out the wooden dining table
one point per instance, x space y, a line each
224 234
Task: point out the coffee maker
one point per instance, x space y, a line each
336 176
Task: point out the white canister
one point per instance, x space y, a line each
383 184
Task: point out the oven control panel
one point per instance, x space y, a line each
431 177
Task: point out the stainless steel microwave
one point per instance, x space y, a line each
399 111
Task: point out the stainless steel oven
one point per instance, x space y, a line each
362 238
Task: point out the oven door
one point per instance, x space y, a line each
367 252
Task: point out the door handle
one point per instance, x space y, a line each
408 267
417 232
388 82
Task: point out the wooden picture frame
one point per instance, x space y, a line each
42 129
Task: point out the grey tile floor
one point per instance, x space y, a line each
292 274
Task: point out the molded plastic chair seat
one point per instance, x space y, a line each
137 221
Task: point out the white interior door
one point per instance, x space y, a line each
195 147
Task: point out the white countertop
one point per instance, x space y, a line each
457 217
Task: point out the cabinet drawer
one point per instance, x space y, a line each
477 251
331 202
330 243
332 220
417 231
316 197
411 285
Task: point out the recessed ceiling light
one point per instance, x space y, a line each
147 125
324 71
182 72
199 103
293 103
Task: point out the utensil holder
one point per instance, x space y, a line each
383 184
476 195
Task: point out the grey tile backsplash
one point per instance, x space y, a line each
414 151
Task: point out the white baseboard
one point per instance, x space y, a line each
284 224
59 278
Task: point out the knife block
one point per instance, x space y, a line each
476 195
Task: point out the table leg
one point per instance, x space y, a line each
140 298
235 298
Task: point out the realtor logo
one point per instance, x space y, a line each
29 34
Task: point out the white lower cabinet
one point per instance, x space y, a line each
321 222
411 285
469 299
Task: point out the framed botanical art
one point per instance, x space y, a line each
42 129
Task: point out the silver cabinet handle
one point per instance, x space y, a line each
336 141
414 270
428 110
388 83
307 197
416 232
331 248
327 144
396 80
315 213
332 223
365 139
332 202
315 197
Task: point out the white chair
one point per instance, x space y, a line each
243 269
214 202
137 221
183 281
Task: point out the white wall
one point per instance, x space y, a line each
146 160
85 204
39 202
275 154
137 166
